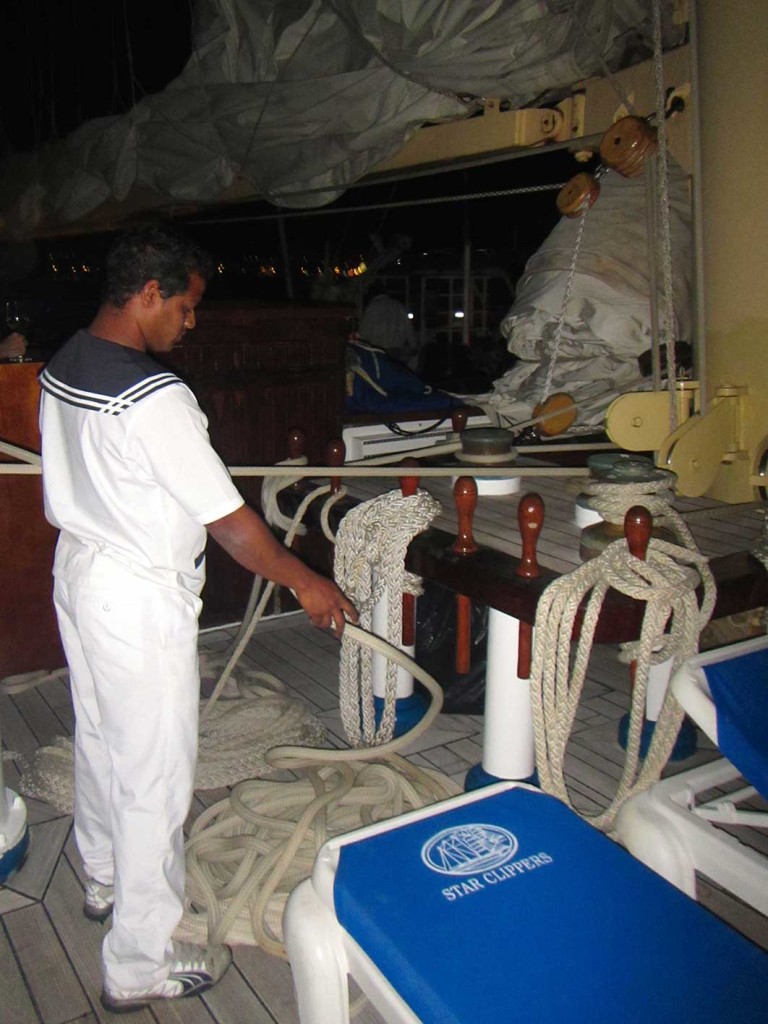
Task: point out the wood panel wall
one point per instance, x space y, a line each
258 373
29 636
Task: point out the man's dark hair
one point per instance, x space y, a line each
152 253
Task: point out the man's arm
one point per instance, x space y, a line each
246 537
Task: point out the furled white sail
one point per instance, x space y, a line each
294 100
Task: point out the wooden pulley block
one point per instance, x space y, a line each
578 194
560 412
627 144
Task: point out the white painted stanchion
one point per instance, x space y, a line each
508 741
508 744
379 662
656 688
14 831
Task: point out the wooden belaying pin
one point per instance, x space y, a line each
459 419
638 524
465 496
297 448
297 443
335 454
530 519
409 485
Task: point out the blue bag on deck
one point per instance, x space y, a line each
378 383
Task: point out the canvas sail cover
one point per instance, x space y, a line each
586 313
292 101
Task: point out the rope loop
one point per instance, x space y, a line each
370 562
271 487
612 501
667 582
247 852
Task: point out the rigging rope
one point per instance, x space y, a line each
663 214
247 852
369 563
666 581
612 501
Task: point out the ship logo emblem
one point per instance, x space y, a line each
467 849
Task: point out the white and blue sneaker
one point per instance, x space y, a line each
99 900
193 970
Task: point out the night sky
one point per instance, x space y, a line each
65 61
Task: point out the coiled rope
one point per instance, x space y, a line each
248 852
666 581
370 562
613 500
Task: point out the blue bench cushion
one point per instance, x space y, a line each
512 908
740 691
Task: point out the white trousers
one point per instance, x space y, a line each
131 646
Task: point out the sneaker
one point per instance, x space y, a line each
193 970
99 900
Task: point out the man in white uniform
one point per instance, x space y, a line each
132 483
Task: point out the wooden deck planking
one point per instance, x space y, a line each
16 1006
43 722
49 974
46 841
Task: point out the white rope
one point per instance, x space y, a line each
247 630
272 486
26 457
423 471
612 501
369 562
664 229
270 489
233 738
247 853
666 581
